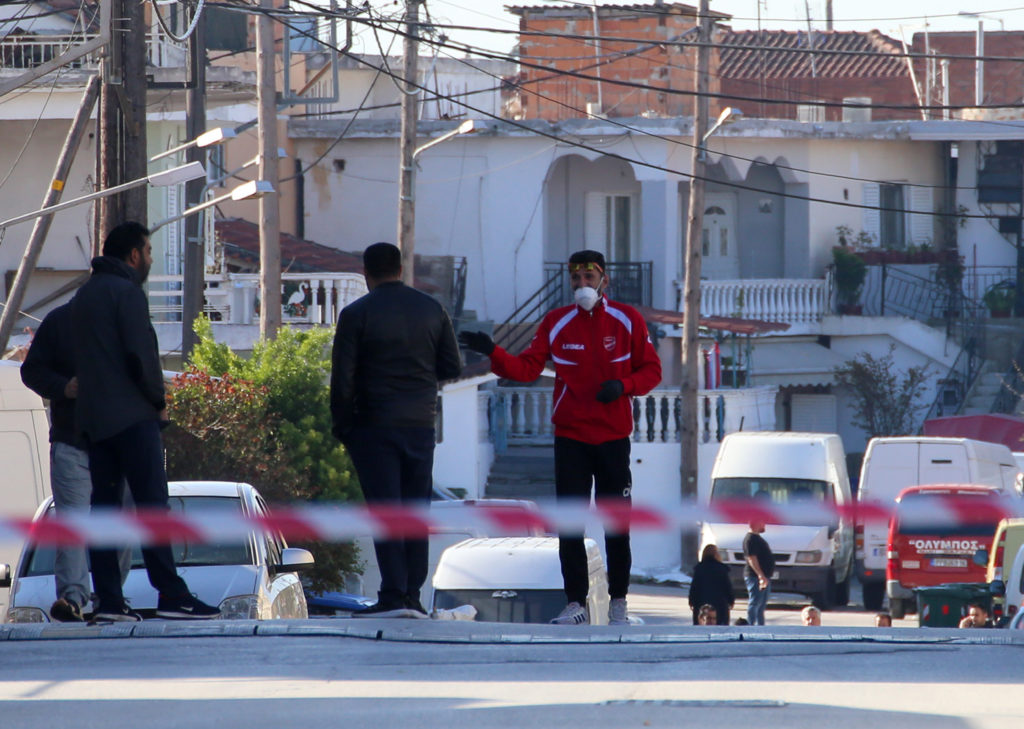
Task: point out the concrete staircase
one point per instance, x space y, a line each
523 472
983 394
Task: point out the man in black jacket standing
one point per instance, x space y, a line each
391 349
121 409
49 371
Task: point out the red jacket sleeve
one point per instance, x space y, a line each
644 359
528 365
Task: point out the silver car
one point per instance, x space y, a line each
252 579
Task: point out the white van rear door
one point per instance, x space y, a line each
943 463
892 467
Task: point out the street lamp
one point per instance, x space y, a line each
15 297
729 115
407 198
246 191
164 178
209 138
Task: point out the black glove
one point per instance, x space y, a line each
610 391
477 341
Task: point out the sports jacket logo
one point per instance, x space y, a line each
573 346
609 343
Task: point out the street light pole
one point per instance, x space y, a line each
688 380
407 145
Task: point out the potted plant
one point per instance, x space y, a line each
999 298
850 272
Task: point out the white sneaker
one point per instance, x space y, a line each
617 612
573 614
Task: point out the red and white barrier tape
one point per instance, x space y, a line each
343 523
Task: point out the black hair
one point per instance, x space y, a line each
382 260
588 256
124 238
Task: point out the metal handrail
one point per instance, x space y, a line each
1010 388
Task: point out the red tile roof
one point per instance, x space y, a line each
740 58
241 239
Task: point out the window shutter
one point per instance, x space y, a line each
595 223
922 223
872 223
813 413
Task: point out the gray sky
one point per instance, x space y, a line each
885 15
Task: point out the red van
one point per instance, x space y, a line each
923 555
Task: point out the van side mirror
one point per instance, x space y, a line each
997 588
981 558
5 575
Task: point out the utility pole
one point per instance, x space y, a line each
269 210
41 227
194 258
407 145
122 133
689 380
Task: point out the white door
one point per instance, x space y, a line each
718 245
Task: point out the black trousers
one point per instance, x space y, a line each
578 466
135 455
395 466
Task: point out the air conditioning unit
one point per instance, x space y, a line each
810 113
859 113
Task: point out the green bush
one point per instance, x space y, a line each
850 274
277 437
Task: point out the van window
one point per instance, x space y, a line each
946 529
186 554
773 490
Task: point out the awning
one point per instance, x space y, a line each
1005 429
781 362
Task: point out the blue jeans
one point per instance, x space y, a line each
72 489
758 599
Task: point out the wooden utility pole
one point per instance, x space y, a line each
16 295
122 133
407 145
194 258
269 211
689 379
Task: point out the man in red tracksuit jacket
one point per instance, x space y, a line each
603 357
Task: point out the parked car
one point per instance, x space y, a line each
254 579
786 469
892 464
925 555
1014 597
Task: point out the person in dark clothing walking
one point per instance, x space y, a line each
711 586
120 412
603 357
391 349
757 574
49 371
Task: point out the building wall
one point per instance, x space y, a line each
792 91
1003 80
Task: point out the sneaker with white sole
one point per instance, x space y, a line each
573 614
618 614
186 607
123 614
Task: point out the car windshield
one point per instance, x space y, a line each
39 561
944 529
778 491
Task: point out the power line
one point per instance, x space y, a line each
642 163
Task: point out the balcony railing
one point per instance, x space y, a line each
522 415
306 298
28 51
788 300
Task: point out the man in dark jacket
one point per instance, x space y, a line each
391 349
120 412
49 371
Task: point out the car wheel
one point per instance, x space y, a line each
843 592
897 608
826 599
874 595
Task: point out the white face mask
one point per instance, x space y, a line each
586 297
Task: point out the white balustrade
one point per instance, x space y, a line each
306 298
656 416
785 300
29 51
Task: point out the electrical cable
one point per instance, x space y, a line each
196 14
580 145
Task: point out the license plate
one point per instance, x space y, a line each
942 562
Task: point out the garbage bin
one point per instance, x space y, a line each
943 606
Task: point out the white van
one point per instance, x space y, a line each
24 456
785 468
892 464
514 580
